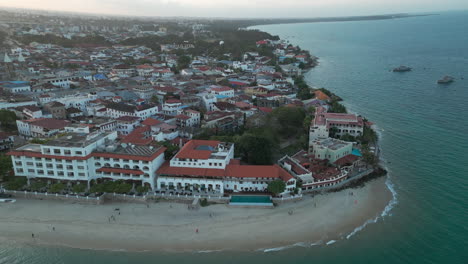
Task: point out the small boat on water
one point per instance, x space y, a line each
446 80
402 69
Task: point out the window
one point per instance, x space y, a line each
57 151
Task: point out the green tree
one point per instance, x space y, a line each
183 62
142 189
276 187
336 107
7 120
79 188
16 184
256 149
6 164
56 188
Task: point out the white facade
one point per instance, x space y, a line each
79 158
218 159
331 149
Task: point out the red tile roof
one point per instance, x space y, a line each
49 123
94 154
348 159
151 122
128 118
232 170
222 89
184 117
190 151
138 137
173 101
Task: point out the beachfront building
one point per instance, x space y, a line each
330 149
209 166
342 124
86 157
313 173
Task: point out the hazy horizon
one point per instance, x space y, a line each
239 8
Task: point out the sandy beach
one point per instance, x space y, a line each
168 226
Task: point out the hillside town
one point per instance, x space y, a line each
168 107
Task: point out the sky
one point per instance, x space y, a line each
241 8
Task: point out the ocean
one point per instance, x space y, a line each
424 136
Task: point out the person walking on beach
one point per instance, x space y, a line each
53 228
32 235
196 230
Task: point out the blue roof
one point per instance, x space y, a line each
222 96
99 76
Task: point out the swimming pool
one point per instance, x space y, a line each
251 201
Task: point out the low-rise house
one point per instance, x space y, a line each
56 109
6 140
41 128
126 124
171 107
15 86
116 110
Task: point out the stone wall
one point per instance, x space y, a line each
55 197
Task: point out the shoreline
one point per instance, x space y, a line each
140 229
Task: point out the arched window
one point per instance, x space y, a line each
136 167
116 165
126 167
145 168
107 165
97 164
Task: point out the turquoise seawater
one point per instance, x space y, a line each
424 130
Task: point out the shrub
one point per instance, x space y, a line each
204 202
56 188
142 189
79 188
16 184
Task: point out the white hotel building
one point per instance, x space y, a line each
86 157
206 165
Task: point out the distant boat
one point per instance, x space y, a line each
402 69
446 80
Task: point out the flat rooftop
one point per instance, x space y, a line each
77 140
331 143
30 147
128 149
